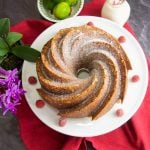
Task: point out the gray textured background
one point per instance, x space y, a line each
18 10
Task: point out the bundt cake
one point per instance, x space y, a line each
68 52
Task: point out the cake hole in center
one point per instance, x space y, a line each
83 73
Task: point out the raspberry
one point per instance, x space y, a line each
119 112
40 103
135 78
62 122
121 39
32 80
90 23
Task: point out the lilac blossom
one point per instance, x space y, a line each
10 90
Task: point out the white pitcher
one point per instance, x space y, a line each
116 10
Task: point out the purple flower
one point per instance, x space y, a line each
11 91
3 71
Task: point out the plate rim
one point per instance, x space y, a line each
138 104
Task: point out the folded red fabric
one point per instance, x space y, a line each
134 135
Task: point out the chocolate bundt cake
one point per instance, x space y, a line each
68 52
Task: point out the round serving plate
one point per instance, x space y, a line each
84 127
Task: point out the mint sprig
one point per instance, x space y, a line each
8 43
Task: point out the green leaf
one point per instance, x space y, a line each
3 44
3 52
4 49
26 53
13 37
4 27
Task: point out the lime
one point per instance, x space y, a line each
71 2
61 10
48 4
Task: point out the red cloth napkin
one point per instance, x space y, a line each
134 135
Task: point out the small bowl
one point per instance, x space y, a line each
75 10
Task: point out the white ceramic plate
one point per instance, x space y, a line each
75 10
84 127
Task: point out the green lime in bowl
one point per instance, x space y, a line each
57 10
62 10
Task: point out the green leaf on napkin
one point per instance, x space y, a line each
26 53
